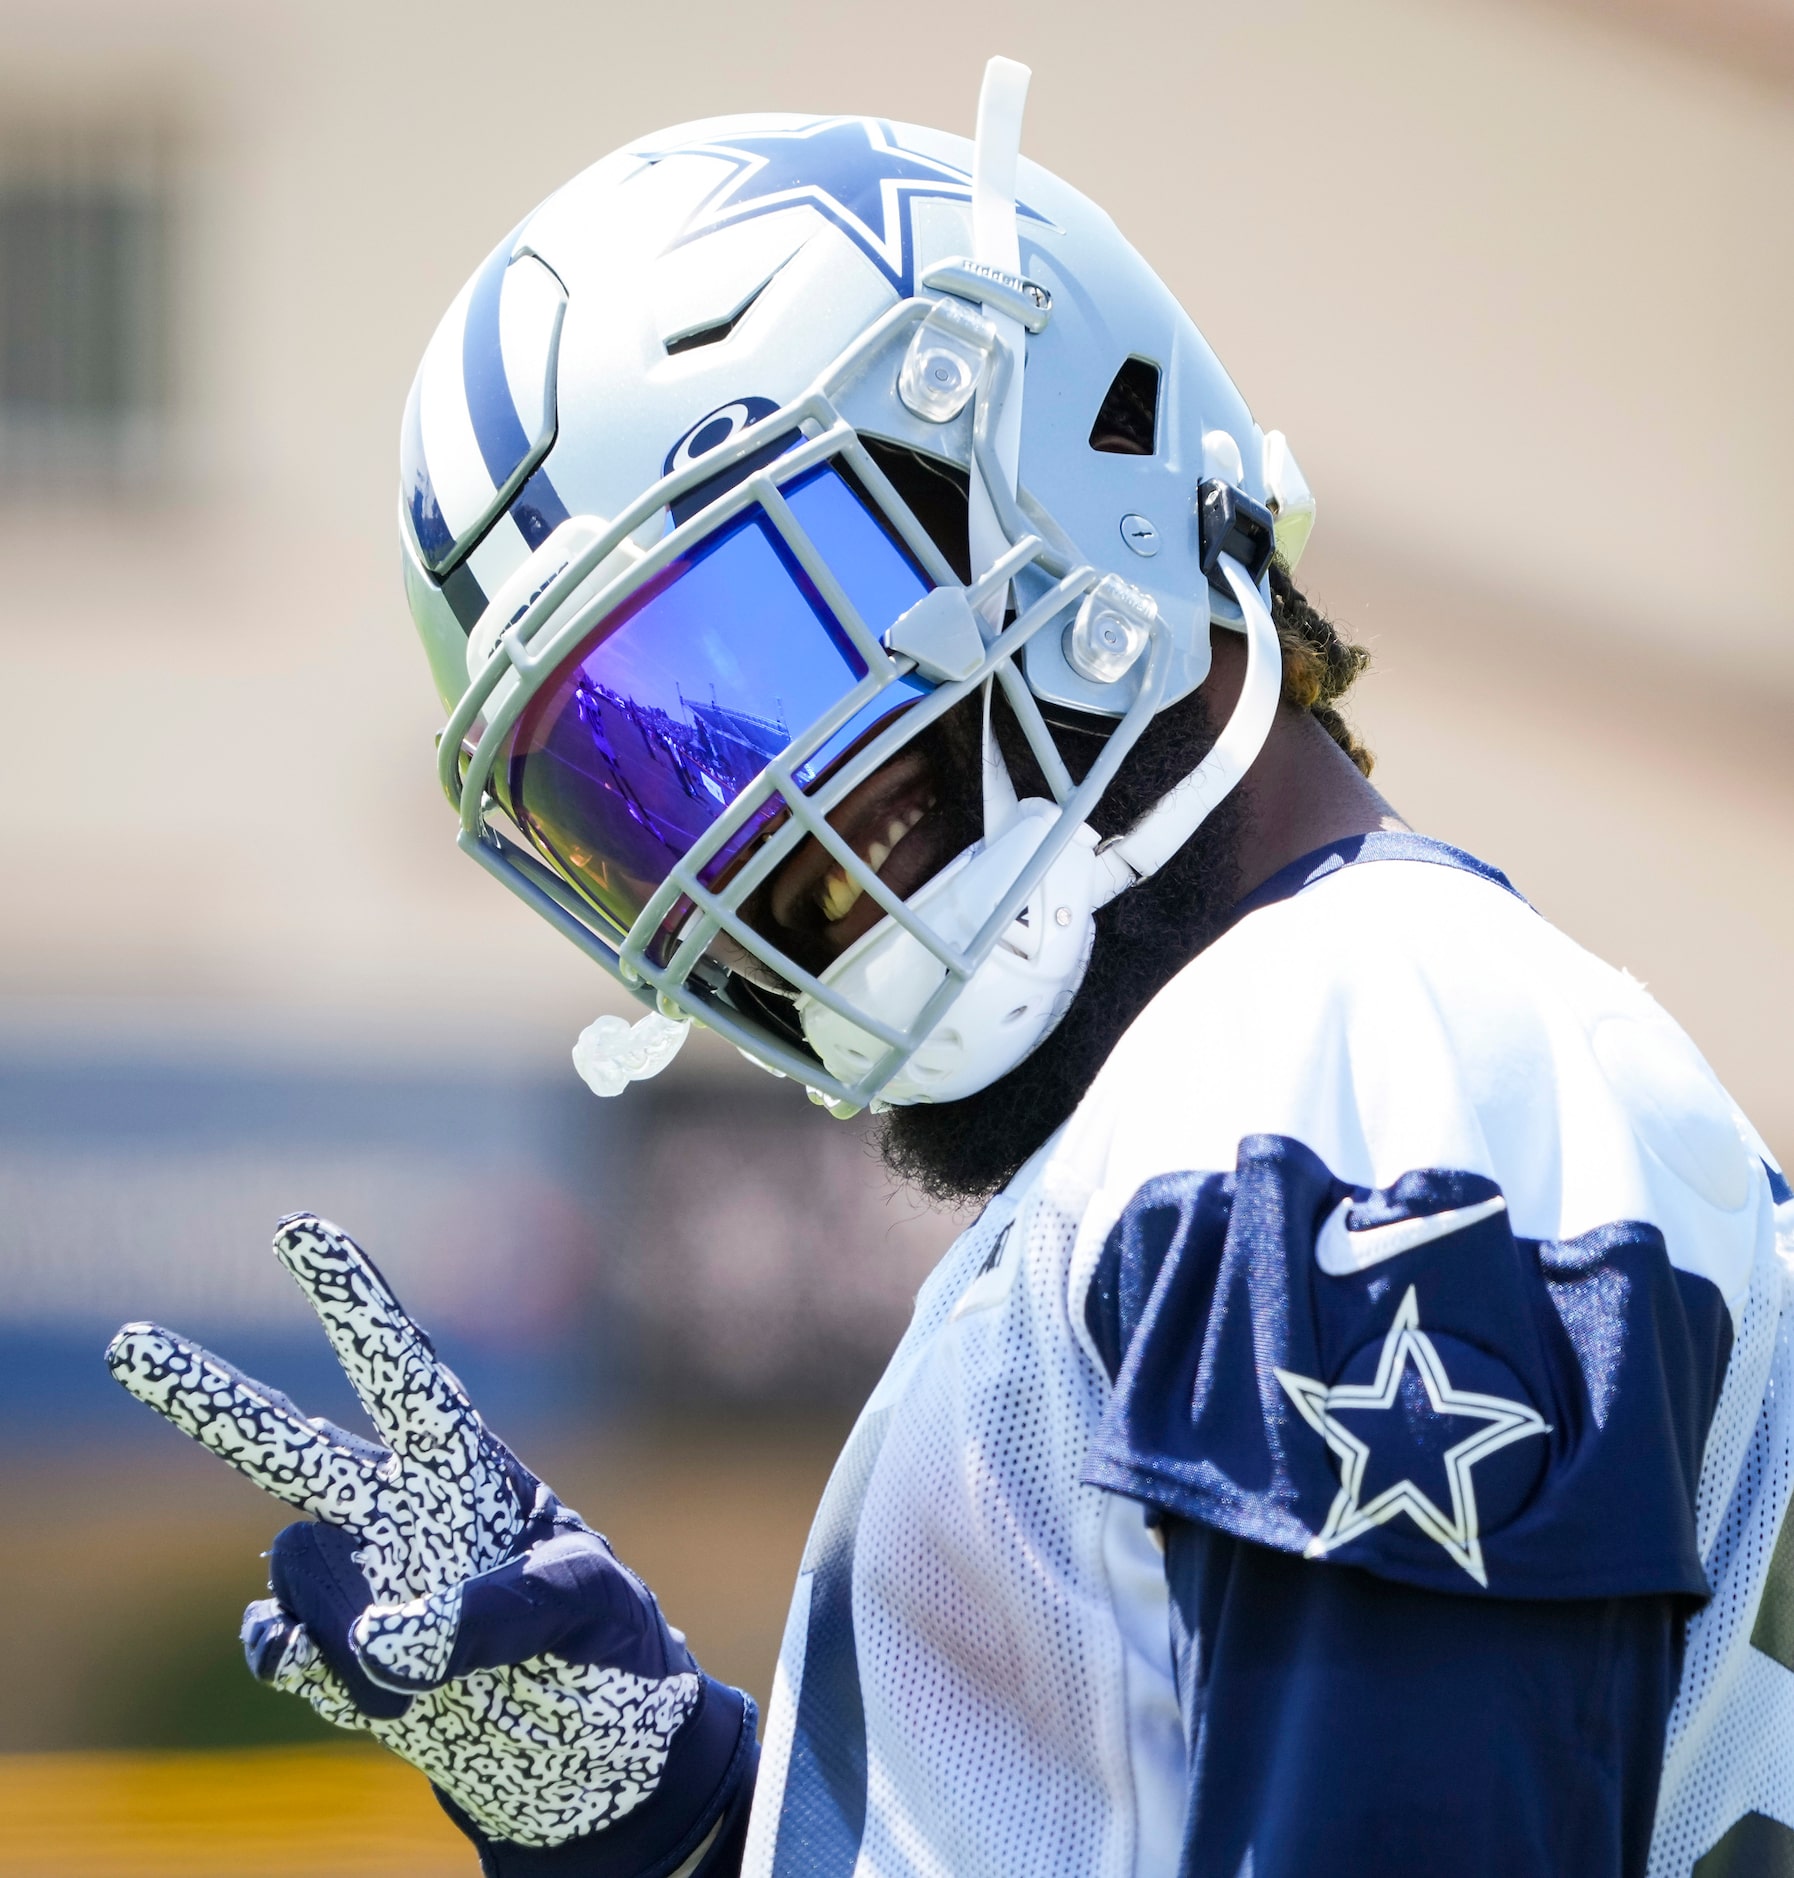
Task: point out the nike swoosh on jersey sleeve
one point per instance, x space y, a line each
1341 1249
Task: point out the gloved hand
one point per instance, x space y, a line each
448 1604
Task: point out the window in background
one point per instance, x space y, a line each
85 229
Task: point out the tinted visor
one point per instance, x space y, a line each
679 699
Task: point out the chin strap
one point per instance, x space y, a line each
995 243
1158 835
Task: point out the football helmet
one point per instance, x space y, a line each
737 465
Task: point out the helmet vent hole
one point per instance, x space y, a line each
1128 423
718 331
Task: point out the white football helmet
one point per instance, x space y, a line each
659 513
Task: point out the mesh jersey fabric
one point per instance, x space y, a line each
1727 1803
976 1675
976 1672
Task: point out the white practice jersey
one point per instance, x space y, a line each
1391 1124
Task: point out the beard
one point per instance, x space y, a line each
961 1152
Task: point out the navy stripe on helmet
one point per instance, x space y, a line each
538 510
497 428
506 450
435 539
466 598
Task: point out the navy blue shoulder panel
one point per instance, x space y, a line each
1391 1379
1354 851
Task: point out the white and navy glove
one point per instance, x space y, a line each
441 1599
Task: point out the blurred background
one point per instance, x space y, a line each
1517 280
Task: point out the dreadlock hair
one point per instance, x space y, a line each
1320 665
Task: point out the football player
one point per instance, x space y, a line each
1354 1436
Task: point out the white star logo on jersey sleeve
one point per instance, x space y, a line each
1501 1420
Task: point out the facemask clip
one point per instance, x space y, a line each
1234 525
994 288
941 368
1112 629
940 632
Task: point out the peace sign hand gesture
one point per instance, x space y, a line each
445 1602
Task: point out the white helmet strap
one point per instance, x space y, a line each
995 243
1146 847
1176 816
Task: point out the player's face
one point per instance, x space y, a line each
906 821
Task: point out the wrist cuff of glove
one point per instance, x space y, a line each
707 1783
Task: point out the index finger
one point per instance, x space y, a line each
256 1429
421 1411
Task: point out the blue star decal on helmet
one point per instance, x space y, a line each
1495 1422
850 169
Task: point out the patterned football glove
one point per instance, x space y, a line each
441 1599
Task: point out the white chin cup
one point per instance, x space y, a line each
1010 1002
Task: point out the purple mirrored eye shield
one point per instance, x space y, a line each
699 914
675 703
536 639
535 649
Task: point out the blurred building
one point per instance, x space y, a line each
1516 279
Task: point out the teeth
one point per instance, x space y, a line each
895 830
839 896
